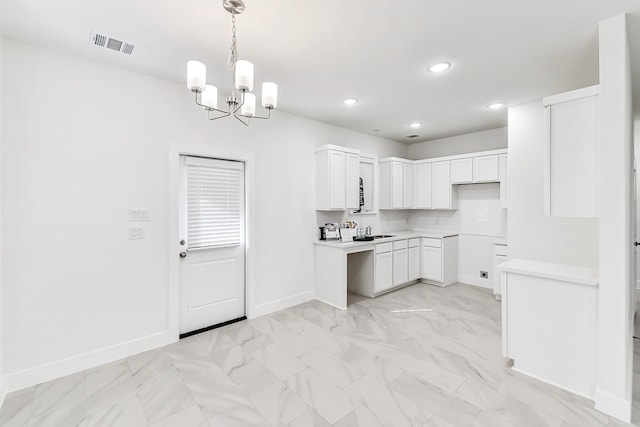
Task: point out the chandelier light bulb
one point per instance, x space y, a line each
210 97
249 107
196 76
269 95
244 75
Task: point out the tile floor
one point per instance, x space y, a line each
313 365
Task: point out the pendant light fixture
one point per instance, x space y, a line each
243 107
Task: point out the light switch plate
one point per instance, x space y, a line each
139 215
136 233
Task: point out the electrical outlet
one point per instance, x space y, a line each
484 275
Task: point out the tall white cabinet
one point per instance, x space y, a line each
337 178
572 153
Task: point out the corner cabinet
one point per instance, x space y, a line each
441 186
337 178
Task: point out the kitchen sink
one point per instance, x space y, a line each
382 236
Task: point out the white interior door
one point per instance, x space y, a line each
212 233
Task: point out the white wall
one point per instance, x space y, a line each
84 144
493 139
615 174
2 371
532 234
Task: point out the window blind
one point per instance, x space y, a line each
215 202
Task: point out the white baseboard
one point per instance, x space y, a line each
475 281
613 405
555 384
281 304
49 371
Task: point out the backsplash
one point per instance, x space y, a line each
382 222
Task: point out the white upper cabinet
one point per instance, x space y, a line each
462 171
337 183
423 190
352 182
502 172
571 160
485 168
441 186
396 183
408 190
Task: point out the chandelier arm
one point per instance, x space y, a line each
239 119
268 116
210 108
226 114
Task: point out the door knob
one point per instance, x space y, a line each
182 242
183 254
636 243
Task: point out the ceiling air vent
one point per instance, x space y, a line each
101 40
412 136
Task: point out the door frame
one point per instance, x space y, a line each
202 150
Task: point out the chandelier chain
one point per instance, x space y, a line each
233 54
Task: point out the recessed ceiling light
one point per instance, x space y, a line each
439 67
495 105
350 101
415 125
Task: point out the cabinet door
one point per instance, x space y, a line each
400 266
397 184
441 186
485 168
337 176
502 168
423 185
414 263
383 277
572 162
432 263
352 182
462 171
407 179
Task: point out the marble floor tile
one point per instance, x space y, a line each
332 367
331 402
315 365
310 419
164 395
276 401
389 407
16 409
127 413
360 416
59 394
277 360
191 417
435 400
504 406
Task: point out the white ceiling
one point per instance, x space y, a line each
320 52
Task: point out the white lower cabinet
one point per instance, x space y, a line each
432 263
440 260
414 262
383 274
400 262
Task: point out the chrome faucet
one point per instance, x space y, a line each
368 230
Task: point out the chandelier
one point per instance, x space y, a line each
242 106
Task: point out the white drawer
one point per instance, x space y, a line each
383 247
414 242
434 243
399 244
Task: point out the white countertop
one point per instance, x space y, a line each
397 235
562 272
